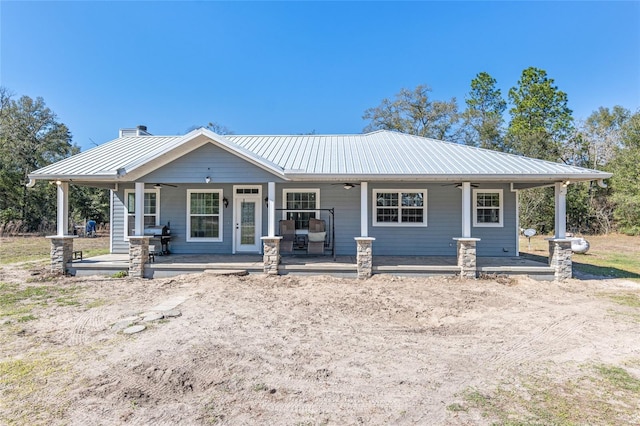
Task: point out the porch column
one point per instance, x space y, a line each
466 209
467 257
61 252
364 257
561 210
138 254
364 209
560 246
63 208
364 243
271 254
560 258
139 214
62 243
271 206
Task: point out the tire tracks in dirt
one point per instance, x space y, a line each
547 341
89 323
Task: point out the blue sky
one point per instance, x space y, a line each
295 67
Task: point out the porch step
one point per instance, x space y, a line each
539 272
318 268
238 272
416 269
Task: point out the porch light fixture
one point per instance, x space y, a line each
348 186
207 179
266 201
224 201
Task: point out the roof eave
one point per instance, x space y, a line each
549 178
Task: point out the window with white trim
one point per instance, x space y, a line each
399 207
297 203
487 207
204 215
151 209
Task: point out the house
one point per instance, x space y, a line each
382 193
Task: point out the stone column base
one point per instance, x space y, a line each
467 257
560 258
61 252
138 255
364 257
271 254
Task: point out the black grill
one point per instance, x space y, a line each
161 235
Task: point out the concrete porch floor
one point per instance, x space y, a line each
176 264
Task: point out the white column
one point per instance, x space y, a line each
139 216
517 222
271 205
63 208
111 220
466 209
364 208
561 210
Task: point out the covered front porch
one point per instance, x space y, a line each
166 266
466 263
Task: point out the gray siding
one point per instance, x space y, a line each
212 161
444 219
118 244
444 222
499 241
346 214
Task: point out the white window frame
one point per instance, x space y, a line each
191 239
477 224
286 191
374 211
126 209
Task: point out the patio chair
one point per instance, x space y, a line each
288 233
317 236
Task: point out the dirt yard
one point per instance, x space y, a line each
296 350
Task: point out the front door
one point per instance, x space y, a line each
247 216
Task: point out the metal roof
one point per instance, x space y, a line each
386 153
378 155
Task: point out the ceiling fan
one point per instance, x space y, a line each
347 185
458 185
160 185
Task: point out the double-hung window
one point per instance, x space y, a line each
394 207
204 215
298 203
487 207
151 209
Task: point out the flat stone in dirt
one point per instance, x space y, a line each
172 313
169 304
121 325
153 316
134 329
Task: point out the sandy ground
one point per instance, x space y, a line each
301 350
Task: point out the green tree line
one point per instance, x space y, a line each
539 125
31 137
